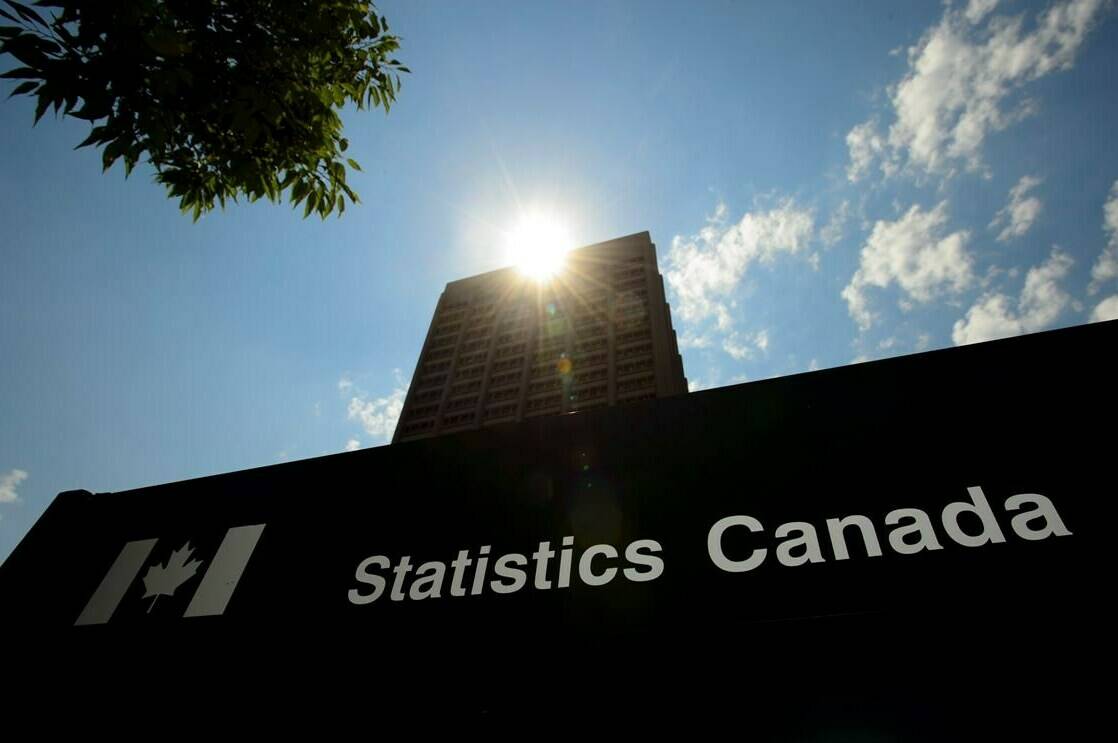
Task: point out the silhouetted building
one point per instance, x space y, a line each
504 347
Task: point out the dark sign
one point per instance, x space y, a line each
885 547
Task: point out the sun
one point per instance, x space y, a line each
537 245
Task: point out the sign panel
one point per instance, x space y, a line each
895 544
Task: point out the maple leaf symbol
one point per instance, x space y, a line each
162 580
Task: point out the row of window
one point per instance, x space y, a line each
433 367
461 403
585 310
632 367
591 393
426 396
633 335
500 411
498 380
462 388
585 396
514 350
549 383
629 285
446 328
544 362
637 309
509 393
418 427
624 387
629 352
446 341
433 380
507 364
423 411
539 404
591 375
460 419
469 359
592 344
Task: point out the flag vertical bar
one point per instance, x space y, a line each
225 570
115 584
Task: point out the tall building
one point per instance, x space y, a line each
504 347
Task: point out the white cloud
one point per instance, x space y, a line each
833 230
979 9
354 444
743 346
1106 310
692 340
713 379
1021 211
913 253
9 481
1041 302
961 83
378 416
734 346
865 144
704 270
1106 267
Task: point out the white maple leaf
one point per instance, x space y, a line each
162 580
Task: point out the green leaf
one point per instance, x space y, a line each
42 105
20 73
113 151
95 136
207 125
22 88
27 13
87 114
299 191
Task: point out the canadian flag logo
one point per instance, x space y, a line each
162 579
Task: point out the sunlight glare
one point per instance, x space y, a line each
537 245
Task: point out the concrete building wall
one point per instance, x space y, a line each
502 347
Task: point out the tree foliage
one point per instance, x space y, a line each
222 97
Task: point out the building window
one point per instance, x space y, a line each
465 402
460 419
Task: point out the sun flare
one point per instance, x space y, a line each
537 245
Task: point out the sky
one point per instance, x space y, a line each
825 183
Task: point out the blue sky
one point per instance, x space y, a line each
825 182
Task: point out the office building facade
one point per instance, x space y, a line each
503 347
